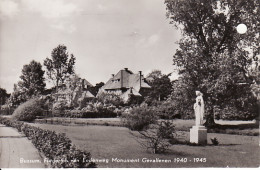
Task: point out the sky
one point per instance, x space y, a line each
105 36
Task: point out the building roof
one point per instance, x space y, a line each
126 79
86 83
87 94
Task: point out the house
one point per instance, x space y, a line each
72 91
126 83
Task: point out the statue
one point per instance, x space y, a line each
199 109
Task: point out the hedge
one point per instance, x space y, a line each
54 146
85 114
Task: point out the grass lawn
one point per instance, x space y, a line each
227 127
107 142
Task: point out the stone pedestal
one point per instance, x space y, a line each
198 134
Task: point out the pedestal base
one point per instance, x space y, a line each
198 134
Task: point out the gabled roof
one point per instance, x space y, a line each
85 82
87 94
125 79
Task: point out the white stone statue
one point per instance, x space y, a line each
199 109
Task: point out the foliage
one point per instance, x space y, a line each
167 110
58 108
214 141
233 113
94 90
104 113
110 98
60 65
3 96
213 57
72 94
31 84
157 136
76 90
139 118
6 110
255 73
134 100
181 99
32 79
86 102
54 146
92 110
28 110
161 85
17 97
154 74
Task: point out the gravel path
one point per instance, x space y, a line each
16 151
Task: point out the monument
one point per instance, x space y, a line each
198 133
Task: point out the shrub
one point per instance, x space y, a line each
166 110
214 141
28 110
88 114
110 98
157 136
54 146
232 113
139 118
6 110
92 110
134 100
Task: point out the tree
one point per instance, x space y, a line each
94 90
155 74
32 79
17 97
212 56
161 85
3 96
60 66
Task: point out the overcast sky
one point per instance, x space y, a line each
104 36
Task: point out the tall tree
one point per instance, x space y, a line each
60 66
160 83
32 79
17 97
3 96
212 55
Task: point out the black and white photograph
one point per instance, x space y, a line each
129 84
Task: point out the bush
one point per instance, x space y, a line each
6 110
139 118
28 110
86 114
54 146
157 136
214 141
232 113
110 98
92 110
166 110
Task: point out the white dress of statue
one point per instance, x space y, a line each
199 109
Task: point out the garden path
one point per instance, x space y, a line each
16 151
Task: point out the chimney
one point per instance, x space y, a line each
140 74
126 69
113 75
121 78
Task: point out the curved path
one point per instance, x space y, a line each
16 151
